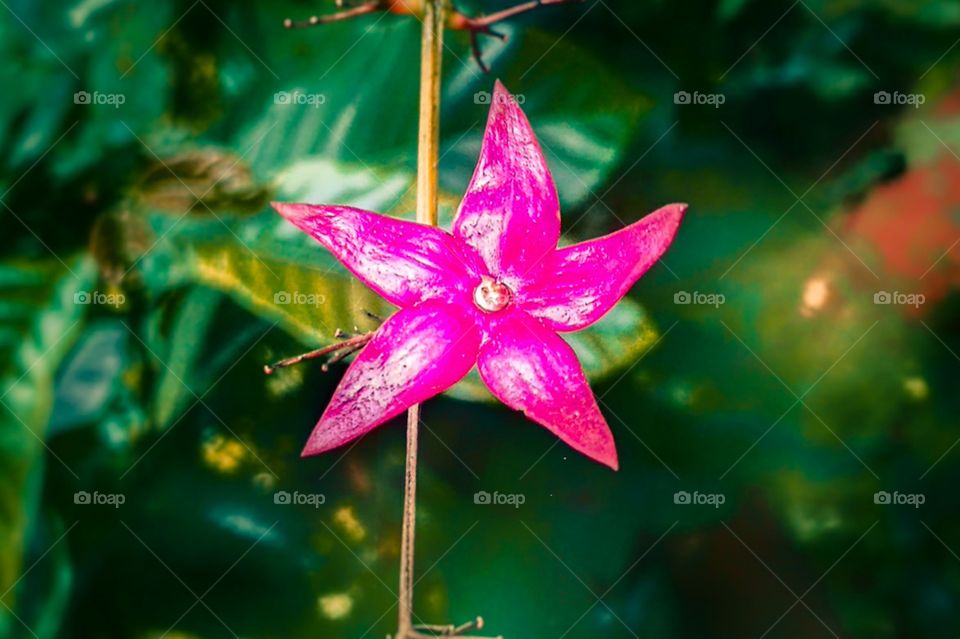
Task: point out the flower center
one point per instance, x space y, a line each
491 296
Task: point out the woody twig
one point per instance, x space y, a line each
455 21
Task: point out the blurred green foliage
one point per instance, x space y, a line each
142 283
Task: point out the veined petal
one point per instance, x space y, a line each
416 354
577 285
403 261
510 214
530 368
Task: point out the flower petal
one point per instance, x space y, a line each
510 214
530 368
403 261
417 353
577 285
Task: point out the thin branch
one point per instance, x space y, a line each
506 14
347 346
359 10
483 24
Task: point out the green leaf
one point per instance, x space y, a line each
182 350
584 127
307 299
47 588
90 377
40 319
277 272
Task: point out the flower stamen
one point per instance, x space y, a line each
491 296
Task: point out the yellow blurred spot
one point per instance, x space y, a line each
816 293
916 388
264 481
285 380
222 454
349 524
436 599
335 606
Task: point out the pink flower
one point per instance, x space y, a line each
493 293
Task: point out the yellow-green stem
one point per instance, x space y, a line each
431 50
427 157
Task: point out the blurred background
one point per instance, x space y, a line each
783 386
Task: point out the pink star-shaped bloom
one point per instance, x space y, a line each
493 293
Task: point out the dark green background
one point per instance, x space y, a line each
796 399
